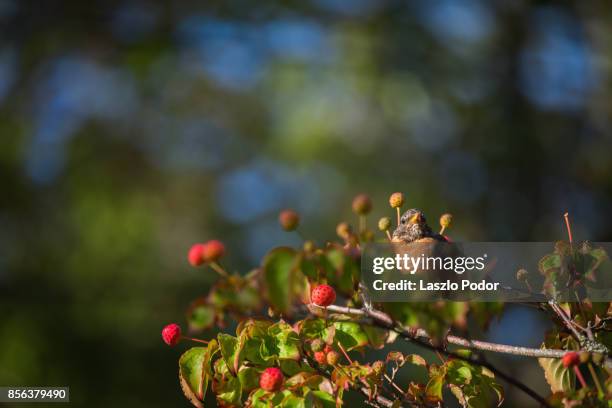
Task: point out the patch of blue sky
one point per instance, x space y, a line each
556 68
230 53
72 89
452 21
261 188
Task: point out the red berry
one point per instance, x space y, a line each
195 255
213 250
171 334
571 359
323 295
320 357
289 220
328 349
271 379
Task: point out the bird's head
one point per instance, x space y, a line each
413 226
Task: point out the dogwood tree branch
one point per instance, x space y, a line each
421 338
381 318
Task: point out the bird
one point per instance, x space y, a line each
413 228
413 237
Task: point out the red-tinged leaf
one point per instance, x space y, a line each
195 372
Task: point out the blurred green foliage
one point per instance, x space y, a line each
129 130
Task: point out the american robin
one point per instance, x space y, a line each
413 228
413 237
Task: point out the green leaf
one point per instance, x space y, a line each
377 337
415 359
293 401
350 335
473 386
433 390
292 367
230 351
249 378
549 263
278 266
252 351
324 399
316 329
228 390
200 317
459 375
400 359
559 378
343 272
287 341
195 373
308 267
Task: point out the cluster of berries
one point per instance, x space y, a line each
575 358
207 252
324 353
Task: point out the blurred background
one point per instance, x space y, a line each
131 129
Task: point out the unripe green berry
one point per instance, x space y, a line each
332 358
309 246
384 223
445 220
317 345
585 357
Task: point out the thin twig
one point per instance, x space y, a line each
568 323
219 269
394 385
345 353
382 401
595 379
569 229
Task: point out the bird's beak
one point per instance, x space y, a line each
416 218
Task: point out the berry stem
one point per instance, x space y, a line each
302 237
398 216
194 339
362 223
569 229
580 377
442 230
595 379
345 353
388 235
219 269
393 384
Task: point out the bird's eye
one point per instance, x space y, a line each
403 220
